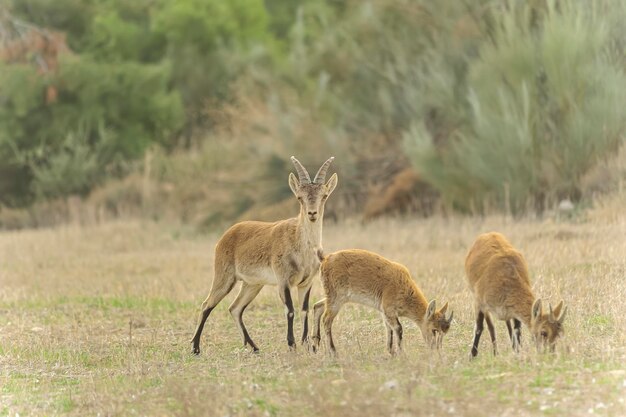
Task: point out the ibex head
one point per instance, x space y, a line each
547 327
312 195
435 324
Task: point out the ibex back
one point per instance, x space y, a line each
283 253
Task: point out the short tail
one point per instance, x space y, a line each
320 255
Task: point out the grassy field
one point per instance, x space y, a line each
97 321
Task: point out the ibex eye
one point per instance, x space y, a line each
544 334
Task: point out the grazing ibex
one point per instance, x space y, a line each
366 278
498 278
283 253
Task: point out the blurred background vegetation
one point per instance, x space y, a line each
190 109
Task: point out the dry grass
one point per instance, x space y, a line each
97 321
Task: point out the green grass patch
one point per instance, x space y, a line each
65 404
600 324
62 356
107 303
266 406
67 381
543 380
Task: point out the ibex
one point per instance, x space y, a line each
498 278
283 253
367 278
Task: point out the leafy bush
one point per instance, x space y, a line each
137 70
541 107
104 115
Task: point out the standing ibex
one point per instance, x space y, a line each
498 278
283 253
364 277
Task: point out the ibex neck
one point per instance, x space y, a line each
416 305
523 307
310 233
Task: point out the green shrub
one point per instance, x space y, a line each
58 148
542 107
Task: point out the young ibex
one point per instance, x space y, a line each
283 253
366 278
498 278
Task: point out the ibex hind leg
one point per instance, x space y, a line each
304 294
247 293
518 334
394 331
330 312
318 310
492 332
223 283
389 332
509 328
514 326
478 330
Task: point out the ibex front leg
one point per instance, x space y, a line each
285 296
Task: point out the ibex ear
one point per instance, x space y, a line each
443 309
430 310
557 309
294 184
537 309
449 319
331 184
562 316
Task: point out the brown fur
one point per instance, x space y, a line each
497 275
282 253
366 278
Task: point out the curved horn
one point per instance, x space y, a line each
303 175
321 174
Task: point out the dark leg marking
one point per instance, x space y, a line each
518 332
477 332
246 336
196 337
305 330
389 339
305 309
329 316
510 330
305 303
215 296
492 333
398 328
290 314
